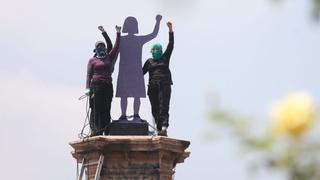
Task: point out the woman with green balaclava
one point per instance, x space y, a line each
160 81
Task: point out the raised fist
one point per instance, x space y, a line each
158 17
101 28
118 28
169 24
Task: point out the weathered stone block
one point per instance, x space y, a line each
131 157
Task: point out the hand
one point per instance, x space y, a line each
169 24
101 28
118 29
158 17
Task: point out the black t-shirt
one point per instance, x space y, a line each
159 68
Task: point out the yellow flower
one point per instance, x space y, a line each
293 114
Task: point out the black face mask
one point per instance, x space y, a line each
100 52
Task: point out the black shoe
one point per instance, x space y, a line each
94 134
122 118
163 133
136 116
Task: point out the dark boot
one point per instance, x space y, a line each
163 133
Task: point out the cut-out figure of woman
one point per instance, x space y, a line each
130 78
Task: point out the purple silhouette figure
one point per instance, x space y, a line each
130 78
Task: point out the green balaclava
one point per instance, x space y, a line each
156 51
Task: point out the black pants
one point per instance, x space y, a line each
159 96
100 104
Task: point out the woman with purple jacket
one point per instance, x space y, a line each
99 83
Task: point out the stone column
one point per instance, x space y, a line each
131 157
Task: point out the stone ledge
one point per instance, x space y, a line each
129 143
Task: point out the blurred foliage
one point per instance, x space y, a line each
316 9
293 149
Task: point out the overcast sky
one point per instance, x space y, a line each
246 52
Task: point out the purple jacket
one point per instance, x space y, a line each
101 69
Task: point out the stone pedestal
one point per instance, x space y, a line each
131 157
125 127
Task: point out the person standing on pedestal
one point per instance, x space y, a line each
99 84
160 81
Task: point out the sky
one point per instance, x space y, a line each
247 53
